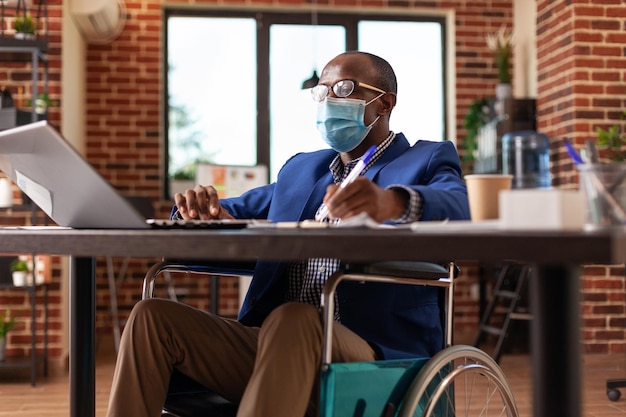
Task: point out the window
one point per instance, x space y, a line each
292 111
417 62
234 80
211 91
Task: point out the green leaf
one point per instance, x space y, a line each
6 324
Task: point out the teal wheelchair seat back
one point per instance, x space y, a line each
365 388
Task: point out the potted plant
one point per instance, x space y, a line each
6 325
19 271
24 26
42 103
500 44
478 115
613 140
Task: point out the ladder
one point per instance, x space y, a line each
509 292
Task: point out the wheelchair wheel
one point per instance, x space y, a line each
459 381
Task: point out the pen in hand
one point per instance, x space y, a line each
322 213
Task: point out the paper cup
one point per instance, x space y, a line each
483 191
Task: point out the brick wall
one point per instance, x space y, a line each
124 137
582 86
17 301
16 77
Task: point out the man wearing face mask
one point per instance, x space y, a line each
268 360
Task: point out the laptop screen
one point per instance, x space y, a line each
61 182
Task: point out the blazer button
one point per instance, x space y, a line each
253 301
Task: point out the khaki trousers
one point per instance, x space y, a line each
272 371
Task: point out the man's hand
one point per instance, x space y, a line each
201 203
364 196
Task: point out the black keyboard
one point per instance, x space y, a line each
204 224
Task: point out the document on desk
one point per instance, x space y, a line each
455 225
360 221
363 220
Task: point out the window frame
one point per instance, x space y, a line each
264 19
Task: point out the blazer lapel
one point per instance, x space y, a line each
397 147
317 195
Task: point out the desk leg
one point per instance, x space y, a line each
82 346
555 341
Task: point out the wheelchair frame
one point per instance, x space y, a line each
421 397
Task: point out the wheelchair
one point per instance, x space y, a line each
458 381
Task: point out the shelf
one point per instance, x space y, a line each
13 362
23 45
31 361
28 51
25 51
22 287
15 49
18 208
21 50
11 117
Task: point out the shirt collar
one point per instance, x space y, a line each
340 171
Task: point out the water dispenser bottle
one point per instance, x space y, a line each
526 156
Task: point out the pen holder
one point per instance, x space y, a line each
604 186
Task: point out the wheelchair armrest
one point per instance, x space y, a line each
212 267
194 266
406 269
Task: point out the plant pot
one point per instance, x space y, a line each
3 348
504 91
25 36
19 278
41 106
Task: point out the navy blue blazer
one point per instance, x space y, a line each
398 322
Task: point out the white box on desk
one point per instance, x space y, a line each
546 209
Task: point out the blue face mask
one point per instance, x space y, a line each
341 122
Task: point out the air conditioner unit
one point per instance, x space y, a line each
99 21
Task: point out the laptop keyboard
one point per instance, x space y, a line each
204 224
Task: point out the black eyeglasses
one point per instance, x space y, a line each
341 89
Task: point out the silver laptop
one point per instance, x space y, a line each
68 189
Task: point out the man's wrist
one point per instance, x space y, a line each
413 206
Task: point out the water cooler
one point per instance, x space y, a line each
526 156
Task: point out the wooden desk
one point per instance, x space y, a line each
554 286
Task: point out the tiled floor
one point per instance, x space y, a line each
50 397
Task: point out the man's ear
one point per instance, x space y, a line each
387 103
